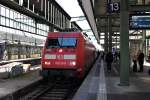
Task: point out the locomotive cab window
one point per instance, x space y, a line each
51 43
67 42
61 42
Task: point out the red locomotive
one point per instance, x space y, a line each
68 54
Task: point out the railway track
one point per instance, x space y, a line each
59 89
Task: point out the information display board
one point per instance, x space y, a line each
139 21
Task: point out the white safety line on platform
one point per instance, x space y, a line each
102 93
115 70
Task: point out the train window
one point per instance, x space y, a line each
67 42
61 42
51 43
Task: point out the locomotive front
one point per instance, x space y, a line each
59 55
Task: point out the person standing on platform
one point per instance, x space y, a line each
109 60
141 60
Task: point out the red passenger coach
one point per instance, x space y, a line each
68 54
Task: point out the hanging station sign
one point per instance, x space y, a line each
113 7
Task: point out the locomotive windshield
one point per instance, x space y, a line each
61 42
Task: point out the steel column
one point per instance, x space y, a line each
110 32
144 41
124 44
106 39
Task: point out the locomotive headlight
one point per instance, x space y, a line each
47 63
60 50
73 63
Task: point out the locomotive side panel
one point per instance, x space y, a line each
80 56
89 56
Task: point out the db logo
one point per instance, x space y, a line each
60 56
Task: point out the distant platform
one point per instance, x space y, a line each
18 60
10 86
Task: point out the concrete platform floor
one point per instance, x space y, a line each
103 85
139 88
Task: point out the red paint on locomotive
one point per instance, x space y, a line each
67 51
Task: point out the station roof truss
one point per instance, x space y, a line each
39 10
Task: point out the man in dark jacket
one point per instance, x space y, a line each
141 61
109 60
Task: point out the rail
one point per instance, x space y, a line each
57 89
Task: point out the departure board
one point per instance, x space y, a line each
139 21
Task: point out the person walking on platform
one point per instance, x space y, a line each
141 60
109 60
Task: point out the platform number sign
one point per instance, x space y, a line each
113 7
